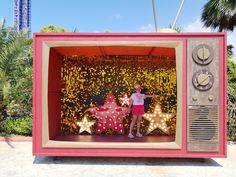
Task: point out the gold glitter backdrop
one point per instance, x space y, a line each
87 80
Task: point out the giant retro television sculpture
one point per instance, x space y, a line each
83 81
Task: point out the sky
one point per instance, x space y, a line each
112 15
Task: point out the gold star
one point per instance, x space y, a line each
158 119
85 125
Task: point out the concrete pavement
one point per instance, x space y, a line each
16 160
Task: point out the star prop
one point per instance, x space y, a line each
125 100
158 119
109 115
85 125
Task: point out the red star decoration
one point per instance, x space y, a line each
109 115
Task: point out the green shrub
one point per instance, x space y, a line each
20 126
231 128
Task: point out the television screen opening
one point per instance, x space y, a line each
89 88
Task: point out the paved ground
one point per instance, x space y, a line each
16 160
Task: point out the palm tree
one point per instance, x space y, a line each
12 44
15 64
230 51
52 28
220 14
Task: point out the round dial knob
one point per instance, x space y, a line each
203 80
203 54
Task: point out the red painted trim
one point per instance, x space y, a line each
16 139
54 93
200 34
37 93
184 98
125 153
35 58
223 71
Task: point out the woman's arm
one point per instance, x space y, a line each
130 103
149 96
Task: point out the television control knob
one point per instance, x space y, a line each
203 53
194 98
203 80
210 98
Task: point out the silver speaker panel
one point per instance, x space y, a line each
203 128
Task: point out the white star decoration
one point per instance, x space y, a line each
85 125
158 119
125 100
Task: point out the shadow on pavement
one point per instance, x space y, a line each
7 139
125 161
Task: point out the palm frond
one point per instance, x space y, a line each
219 14
14 45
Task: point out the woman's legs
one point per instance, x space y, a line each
139 119
135 118
132 123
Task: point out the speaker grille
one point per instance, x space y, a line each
202 128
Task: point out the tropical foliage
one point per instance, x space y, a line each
231 95
21 126
220 14
231 99
15 75
53 28
230 50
